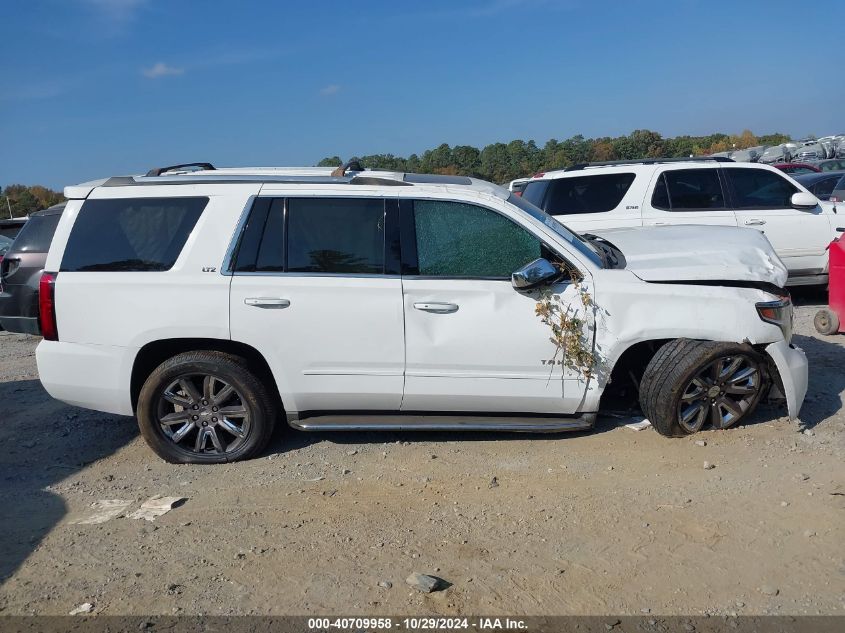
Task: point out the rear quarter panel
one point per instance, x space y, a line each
130 309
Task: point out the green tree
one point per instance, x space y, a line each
467 160
24 200
501 162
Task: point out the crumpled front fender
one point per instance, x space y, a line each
791 363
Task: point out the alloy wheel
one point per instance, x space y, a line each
720 393
202 413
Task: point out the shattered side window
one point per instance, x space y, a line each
462 240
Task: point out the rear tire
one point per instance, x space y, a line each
689 384
205 407
826 321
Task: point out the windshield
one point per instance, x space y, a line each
579 243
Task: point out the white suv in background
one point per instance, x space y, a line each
590 198
212 303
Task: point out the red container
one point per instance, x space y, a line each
832 319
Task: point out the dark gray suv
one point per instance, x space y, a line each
21 268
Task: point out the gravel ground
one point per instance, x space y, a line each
613 521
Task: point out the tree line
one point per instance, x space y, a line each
502 162
20 200
498 162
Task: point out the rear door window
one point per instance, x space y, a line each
271 254
688 190
131 234
759 188
335 235
586 194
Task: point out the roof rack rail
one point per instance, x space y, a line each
651 161
350 165
158 171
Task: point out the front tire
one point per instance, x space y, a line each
692 384
205 407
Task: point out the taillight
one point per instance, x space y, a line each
517 193
47 306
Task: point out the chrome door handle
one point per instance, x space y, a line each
267 302
437 308
754 222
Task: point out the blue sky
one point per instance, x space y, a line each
93 88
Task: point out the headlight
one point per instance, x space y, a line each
778 312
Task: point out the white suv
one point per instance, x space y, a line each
211 303
655 192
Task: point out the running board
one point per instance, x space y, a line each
439 422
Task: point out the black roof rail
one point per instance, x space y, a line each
350 165
434 179
651 161
210 179
158 171
375 180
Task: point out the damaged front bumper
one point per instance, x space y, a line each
791 363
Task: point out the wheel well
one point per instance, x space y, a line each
154 354
623 387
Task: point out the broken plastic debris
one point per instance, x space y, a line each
155 506
103 510
638 426
85 607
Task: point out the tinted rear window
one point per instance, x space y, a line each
688 190
37 233
586 194
335 235
131 234
271 254
535 191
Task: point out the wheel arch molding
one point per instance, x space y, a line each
155 353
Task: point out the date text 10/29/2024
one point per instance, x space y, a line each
416 624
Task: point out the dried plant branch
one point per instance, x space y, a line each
572 343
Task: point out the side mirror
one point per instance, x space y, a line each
804 201
531 275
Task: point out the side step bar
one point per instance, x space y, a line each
439 422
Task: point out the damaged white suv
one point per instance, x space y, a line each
212 302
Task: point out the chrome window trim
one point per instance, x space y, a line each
303 274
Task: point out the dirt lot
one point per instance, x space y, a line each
614 521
